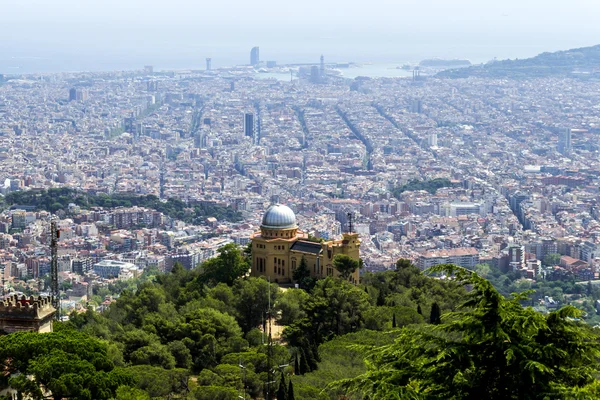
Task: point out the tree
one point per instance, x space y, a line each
214 393
128 393
345 265
289 305
492 347
226 267
282 390
155 354
335 307
483 270
67 363
551 259
290 395
252 301
304 367
435 314
159 382
302 277
296 365
181 354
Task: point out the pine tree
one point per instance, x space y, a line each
281 391
304 367
435 315
380 298
290 395
301 275
311 359
296 365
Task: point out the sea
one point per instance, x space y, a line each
366 59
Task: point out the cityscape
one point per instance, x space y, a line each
517 158
157 171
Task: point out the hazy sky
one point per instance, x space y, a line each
73 33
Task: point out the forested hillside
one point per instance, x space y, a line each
200 335
562 63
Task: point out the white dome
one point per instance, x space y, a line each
279 216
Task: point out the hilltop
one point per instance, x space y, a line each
583 61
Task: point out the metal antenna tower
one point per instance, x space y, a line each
54 268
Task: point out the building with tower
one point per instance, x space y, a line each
279 246
254 56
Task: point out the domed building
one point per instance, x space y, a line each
279 246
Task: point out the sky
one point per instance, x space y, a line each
113 34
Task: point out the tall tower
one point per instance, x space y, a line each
249 125
208 63
564 141
322 68
254 56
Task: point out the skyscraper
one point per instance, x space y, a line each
315 76
208 63
416 106
249 125
254 56
432 139
78 94
564 141
322 68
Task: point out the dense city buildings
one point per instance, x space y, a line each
516 162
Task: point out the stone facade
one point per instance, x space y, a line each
33 314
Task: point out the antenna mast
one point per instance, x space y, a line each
54 268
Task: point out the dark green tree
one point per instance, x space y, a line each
290 394
551 259
304 367
226 267
67 363
296 365
302 277
252 301
289 305
282 389
345 265
435 315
